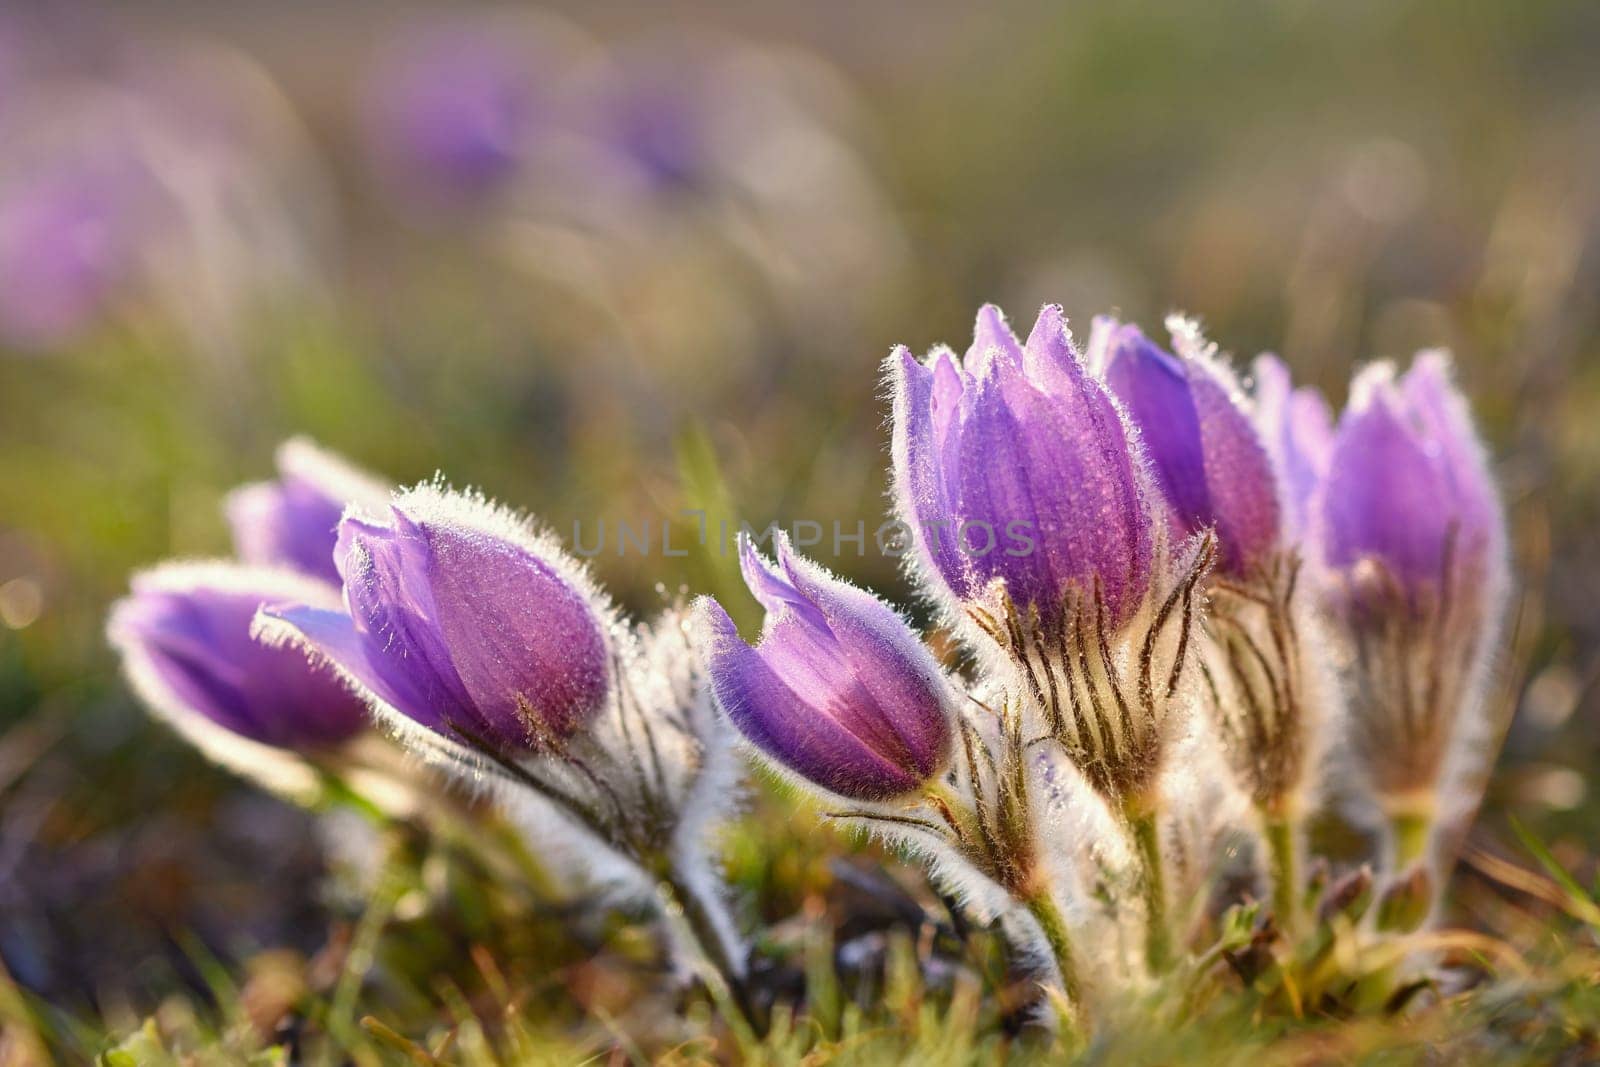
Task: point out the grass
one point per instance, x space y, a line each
449 954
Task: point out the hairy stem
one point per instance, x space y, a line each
1146 835
706 920
1283 868
1054 924
1036 898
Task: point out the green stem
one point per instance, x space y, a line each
390 887
1152 882
1038 901
1283 854
1054 925
1409 832
701 918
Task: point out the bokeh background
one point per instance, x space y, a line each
611 260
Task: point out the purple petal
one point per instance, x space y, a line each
1297 426
1240 479
925 403
773 591
470 627
1154 390
1208 458
1049 358
523 641
1059 463
991 336
1438 407
388 595
285 524
333 636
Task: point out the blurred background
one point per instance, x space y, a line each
607 261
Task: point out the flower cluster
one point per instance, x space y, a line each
1186 604
1189 572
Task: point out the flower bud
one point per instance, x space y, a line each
1410 512
1349 897
293 522
839 690
1406 902
1013 465
459 618
184 635
1208 459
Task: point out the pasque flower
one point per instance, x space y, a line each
293 521
67 243
839 690
184 636
1070 574
460 620
841 693
1216 470
1012 465
453 107
489 650
1413 541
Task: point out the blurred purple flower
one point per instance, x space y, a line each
1017 450
66 240
1207 457
1409 509
185 637
460 619
451 109
839 689
654 117
293 522
1297 425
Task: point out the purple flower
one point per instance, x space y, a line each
1410 509
66 242
1208 458
184 635
1014 464
839 690
451 109
459 618
293 522
1297 426
655 118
